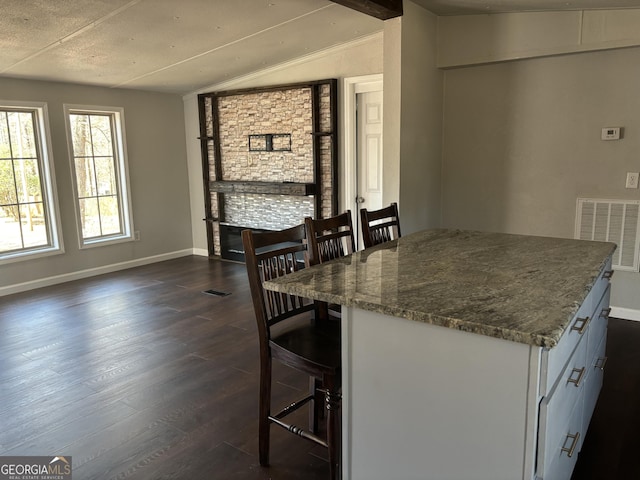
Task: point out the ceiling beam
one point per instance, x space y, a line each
381 9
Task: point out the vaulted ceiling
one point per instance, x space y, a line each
182 46
166 45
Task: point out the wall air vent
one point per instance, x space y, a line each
615 221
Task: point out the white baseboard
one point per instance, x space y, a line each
202 252
91 272
625 313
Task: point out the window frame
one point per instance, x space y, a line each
42 133
122 174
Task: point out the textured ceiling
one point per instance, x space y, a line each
181 46
166 45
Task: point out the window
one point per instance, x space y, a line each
28 205
100 176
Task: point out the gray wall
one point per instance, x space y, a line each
412 118
522 142
157 170
421 121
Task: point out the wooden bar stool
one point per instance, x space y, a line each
329 238
291 332
379 226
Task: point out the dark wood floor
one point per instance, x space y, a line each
611 447
140 375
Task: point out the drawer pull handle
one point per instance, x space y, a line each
576 381
608 274
580 325
605 313
573 446
601 362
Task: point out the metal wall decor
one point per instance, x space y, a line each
270 142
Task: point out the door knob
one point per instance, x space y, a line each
359 199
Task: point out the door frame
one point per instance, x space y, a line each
352 86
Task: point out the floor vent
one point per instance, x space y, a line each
611 221
217 293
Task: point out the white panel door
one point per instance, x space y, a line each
369 150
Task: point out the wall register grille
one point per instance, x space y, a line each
615 221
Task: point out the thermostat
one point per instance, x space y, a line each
611 133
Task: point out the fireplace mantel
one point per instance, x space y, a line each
268 188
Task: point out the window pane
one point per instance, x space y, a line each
106 176
27 181
34 230
101 135
5 146
109 215
10 228
101 188
85 177
7 185
80 135
27 219
90 218
22 135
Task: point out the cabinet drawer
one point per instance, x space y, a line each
555 409
558 461
604 278
555 359
593 383
598 328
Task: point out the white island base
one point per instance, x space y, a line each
466 355
426 402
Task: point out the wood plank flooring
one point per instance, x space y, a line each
610 449
140 375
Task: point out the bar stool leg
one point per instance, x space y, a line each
332 402
264 424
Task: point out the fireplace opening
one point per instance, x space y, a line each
231 247
231 241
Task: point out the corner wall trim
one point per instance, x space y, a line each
625 313
91 272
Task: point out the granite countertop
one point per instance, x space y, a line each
515 287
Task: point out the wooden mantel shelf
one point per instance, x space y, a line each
285 188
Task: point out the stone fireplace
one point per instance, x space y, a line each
269 159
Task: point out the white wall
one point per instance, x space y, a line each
522 142
361 57
157 170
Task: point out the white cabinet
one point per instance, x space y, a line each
425 402
570 396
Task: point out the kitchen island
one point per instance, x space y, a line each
466 355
